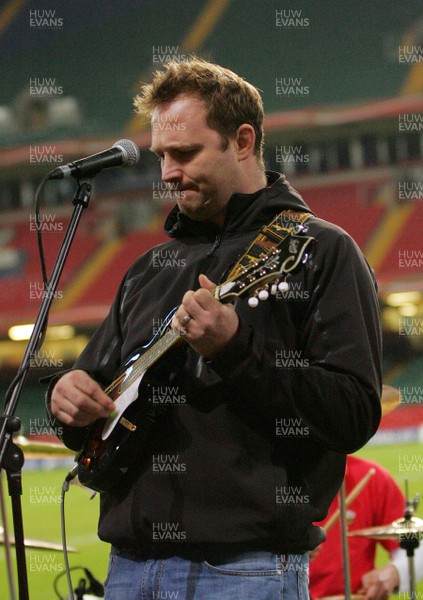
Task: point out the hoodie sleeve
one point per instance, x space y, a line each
101 360
335 390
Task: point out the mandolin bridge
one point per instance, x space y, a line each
127 424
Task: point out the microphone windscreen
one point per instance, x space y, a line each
131 151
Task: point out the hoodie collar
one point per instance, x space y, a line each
245 212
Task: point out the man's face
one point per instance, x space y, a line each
194 161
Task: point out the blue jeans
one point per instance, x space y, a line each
247 576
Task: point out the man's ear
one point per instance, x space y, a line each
245 139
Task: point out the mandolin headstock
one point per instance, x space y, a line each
269 272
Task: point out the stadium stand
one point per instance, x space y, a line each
67 93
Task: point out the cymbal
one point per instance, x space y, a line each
391 398
398 530
36 543
42 447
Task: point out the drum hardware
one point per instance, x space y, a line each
391 398
349 499
397 530
344 542
342 597
408 531
340 513
8 540
41 447
31 543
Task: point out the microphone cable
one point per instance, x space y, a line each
24 367
65 487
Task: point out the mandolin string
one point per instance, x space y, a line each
147 359
114 384
163 344
168 339
152 355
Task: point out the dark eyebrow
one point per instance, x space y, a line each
181 148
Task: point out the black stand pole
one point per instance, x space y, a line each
11 456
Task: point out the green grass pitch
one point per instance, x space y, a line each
41 508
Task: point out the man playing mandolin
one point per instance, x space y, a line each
213 494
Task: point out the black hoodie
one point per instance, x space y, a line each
253 451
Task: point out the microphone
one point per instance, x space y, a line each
123 152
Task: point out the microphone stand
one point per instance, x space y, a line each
11 456
7 544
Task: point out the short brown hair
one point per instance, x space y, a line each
230 100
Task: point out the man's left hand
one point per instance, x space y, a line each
205 323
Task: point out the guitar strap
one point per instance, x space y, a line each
284 225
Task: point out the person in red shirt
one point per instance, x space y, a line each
380 502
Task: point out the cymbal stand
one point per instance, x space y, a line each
410 541
344 541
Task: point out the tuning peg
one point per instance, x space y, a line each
273 289
263 295
253 302
283 286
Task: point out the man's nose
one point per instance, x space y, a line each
171 171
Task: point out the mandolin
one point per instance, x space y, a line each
115 444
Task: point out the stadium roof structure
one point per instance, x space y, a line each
348 64
322 53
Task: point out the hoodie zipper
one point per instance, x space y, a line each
215 246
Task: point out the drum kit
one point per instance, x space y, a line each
408 531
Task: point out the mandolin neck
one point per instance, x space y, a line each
152 355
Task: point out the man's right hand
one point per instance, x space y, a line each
78 400
380 583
